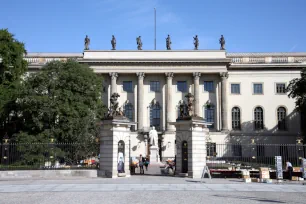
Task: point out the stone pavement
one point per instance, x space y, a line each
144 183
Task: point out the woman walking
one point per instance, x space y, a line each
141 163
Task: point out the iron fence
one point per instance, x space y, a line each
252 156
16 156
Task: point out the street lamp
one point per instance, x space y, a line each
5 150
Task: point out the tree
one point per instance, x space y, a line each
297 90
63 102
12 68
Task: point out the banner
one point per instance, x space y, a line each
279 167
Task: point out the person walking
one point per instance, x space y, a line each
146 163
141 163
289 169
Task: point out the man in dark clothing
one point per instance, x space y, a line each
289 169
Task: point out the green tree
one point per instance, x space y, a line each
12 68
63 102
297 90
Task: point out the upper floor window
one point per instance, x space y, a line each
128 86
235 88
182 86
281 88
209 86
281 118
128 111
258 118
257 88
236 118
210 115
155 115
154 86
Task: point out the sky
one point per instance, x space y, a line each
247 25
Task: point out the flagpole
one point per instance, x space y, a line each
154 28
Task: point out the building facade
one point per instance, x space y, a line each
242 95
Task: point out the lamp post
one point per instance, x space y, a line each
5 149
299 149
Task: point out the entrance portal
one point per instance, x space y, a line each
184 157
121 157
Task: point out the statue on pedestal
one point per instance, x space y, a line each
114 109
196 42
222 43
190 100
87 42
113 42
139 43
168 42
153 137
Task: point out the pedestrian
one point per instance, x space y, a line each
289 169
146 163
141 163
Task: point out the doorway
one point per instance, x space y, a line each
184 157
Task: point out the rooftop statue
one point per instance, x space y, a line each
87 42
196 42
113 42
222 43
168 42
139 43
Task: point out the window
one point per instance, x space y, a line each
281 118
128 111
258 118
128 86
211 149
236 118
237 150
210 115
257 89
209 86
281 88
155 116
154 86
182 86
235 88
260 148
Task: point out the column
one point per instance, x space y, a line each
169 111
114 76
140 109
224 77
196 84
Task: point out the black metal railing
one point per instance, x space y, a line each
16 156
252 156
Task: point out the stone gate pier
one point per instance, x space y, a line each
191 133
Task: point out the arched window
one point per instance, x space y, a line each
128 111
281 118
155 115
258 118
236 118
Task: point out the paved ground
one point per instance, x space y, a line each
147 189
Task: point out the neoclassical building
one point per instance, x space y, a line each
242 95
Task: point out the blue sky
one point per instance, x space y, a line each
247 25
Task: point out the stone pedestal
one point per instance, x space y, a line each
154 157
191 146
115 143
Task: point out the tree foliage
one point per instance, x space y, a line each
12 68
63 101
297 90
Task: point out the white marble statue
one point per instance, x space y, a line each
153 137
